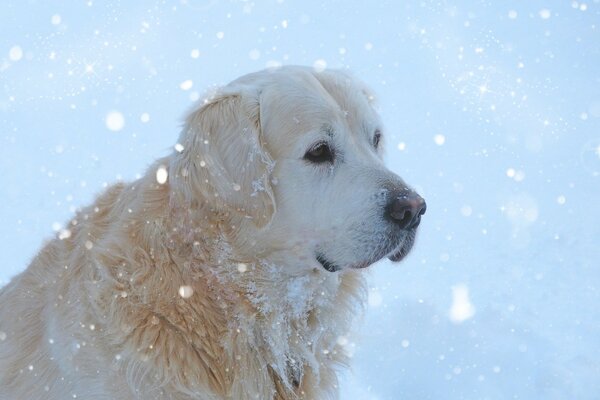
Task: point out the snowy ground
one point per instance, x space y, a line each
491 111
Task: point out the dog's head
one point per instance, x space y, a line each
293 157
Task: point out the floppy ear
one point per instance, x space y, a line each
223 161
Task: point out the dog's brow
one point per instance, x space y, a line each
328 130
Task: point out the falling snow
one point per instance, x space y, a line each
461 308
15 53
114 121
186 85
186 291
161 175
490 110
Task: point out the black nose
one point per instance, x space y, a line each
405 209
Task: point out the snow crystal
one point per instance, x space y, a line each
368 46
304 19
375 298
145 117
561 200
519 176
195 53
115 121
320 65
512 14
178 147
521 210
544 13
15 53
510 172
466 211
186 85
522 348
439 139
161 175
89 245
236 187
186 291
342 340
241 267
220 35
272 64
461 309
254 54
590 157
401 146
64 234
55 19
405 343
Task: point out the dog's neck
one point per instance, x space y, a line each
288 317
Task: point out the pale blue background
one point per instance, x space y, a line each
509 85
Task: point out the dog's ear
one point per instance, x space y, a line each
223 160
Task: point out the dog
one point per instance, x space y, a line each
232 269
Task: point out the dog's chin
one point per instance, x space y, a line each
395 254
403 249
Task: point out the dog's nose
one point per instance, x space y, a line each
405 209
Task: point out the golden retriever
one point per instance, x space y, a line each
232 269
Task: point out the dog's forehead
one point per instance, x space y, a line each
298 100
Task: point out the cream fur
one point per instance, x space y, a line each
206 286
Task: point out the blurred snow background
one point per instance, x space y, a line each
492 111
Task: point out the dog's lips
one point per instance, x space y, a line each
398 255
402 251
328 265
331 267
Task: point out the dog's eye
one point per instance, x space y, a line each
319 153
376 139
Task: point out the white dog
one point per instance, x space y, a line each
231 269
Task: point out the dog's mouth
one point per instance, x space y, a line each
396 254
325 263
402 251
332 267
